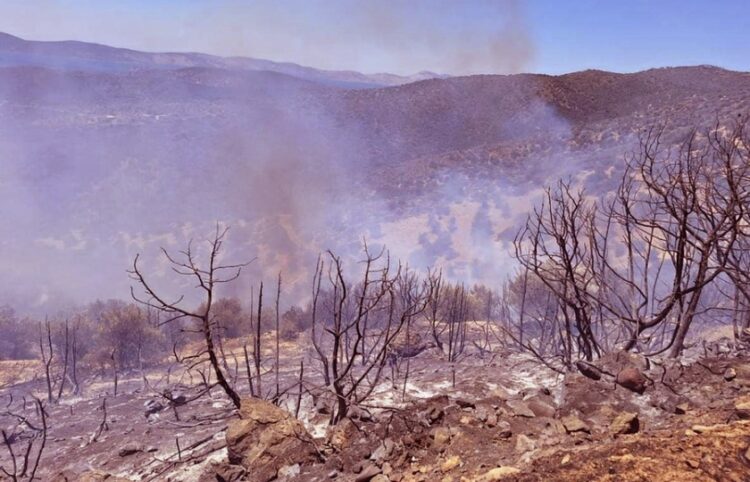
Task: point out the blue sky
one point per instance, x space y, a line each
401 36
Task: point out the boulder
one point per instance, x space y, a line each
632 378
267 438
383 451
742 370
574 424
440 437
224 472
498 473
503 429
289 471
588 370
340 436
541 408
130 448
151 407
520 409
482 413
625 423
614 363
681 408
178 399
367 473
742 407
450 463
524 444
98 476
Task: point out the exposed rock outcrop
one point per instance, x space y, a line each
267 438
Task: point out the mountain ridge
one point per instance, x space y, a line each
99 164
79 54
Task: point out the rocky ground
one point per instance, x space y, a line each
507 418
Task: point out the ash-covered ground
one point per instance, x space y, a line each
488 416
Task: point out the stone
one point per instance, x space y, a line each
625 423
504 430
520 409
632 379
359 413
289 471
178 399
500 393
368 473
574 424
151 407
742 407
588 370
224 472
498 473
465 403
617 361
435 414
554 427
524 444
130 449
565 460
541 408
380 478
99 476
707 428
483 413
450 463
681 408
266 438
383 451
491 419
339 436
322 406
742 370
440 437
730 374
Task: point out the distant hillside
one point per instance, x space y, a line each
107 152
74 55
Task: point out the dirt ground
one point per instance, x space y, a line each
506 418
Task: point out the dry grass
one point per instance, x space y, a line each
13 372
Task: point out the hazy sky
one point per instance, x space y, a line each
401 36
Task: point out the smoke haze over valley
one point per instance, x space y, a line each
108 152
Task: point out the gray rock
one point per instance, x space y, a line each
504 430
289 471
524 444
589 370
130 448
632 379
541 408
368 472
520 409
625 423
574 424
383 451
152 406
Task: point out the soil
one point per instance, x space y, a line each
506 417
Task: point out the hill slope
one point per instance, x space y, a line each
86 56
101 163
